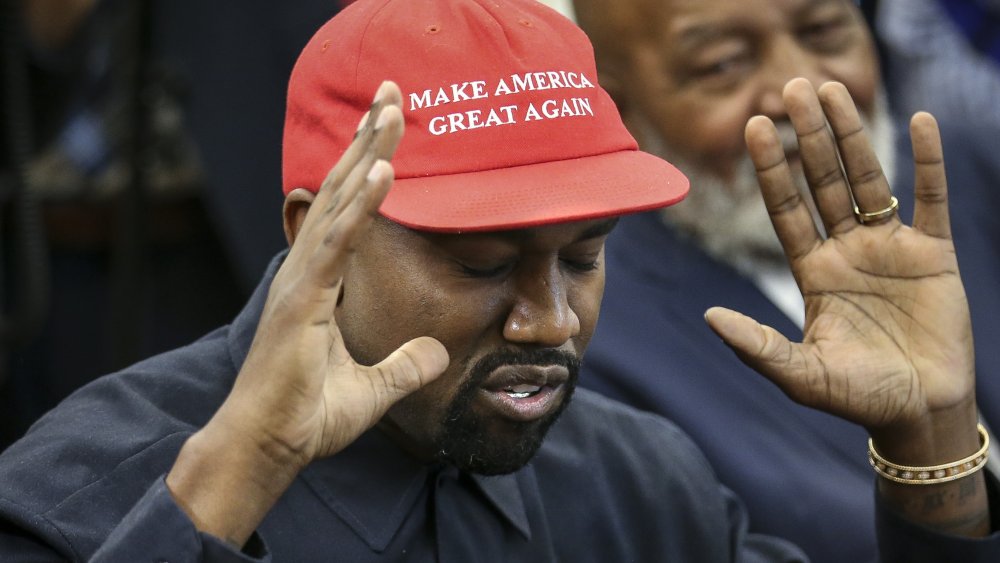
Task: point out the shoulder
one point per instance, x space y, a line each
80 468
621 474
618 440
593 416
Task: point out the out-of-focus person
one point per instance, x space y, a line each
686 76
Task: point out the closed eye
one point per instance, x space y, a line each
485 271
582 265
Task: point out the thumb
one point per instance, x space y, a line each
411 366
762 348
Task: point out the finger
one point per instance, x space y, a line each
390 124
790 216
410 367
386 134
389 132
820 158
338 233
930 210
378 140
768 352
387 93
362 137
318 257
331 227
377 133
864 173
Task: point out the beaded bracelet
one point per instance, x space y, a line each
935 473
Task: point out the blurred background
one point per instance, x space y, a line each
140 164
140 183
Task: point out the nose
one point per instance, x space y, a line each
541 314
785 59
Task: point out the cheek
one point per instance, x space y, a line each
362 319
707 131
861 80
466 325
857 68
383 307
448 310
717 128
380 312
694 125
586 303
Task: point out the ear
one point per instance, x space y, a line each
636 121
294 211
616 89
613 86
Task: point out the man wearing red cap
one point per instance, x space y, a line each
398 388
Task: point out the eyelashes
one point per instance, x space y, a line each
499 270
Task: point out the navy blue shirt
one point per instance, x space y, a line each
610 483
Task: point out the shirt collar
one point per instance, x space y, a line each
244 326
505 491
372 486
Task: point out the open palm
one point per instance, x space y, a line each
887 337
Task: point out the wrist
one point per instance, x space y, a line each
931 474
939 437
227 483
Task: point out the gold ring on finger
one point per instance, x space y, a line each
877 216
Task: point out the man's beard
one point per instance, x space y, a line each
728 219
466 440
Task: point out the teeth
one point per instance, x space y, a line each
522 391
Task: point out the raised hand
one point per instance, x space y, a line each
299 395
316 397
887 340
887 337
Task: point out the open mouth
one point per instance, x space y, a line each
522 391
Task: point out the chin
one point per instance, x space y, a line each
489 447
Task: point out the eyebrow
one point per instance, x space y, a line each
700 33
594 231
599 230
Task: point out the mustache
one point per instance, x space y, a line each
537 357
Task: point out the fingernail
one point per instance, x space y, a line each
383 117
378 94
375 173
362 123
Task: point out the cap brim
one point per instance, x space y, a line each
536 194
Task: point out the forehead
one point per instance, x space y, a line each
689 17
559 234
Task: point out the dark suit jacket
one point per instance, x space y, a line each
793 466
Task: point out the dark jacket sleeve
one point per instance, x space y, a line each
902 542
156 529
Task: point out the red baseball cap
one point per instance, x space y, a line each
506 126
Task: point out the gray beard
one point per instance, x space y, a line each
728 219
